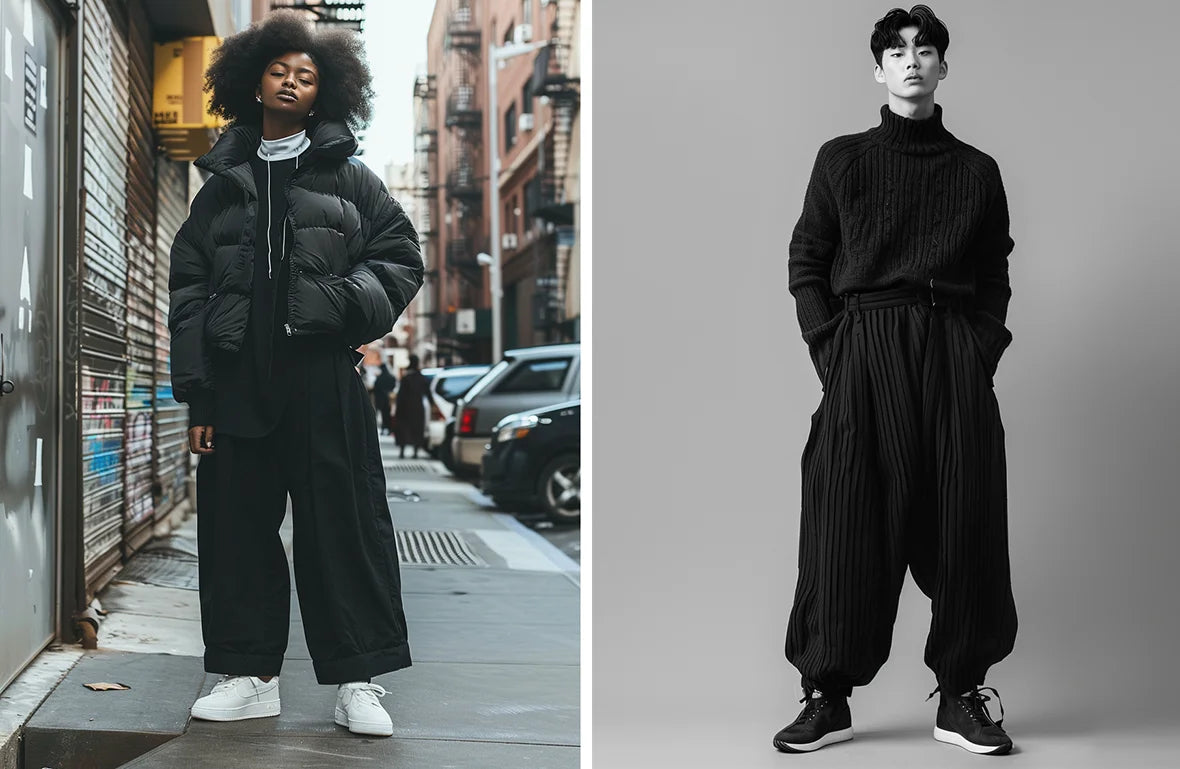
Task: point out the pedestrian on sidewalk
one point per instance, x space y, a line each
412 395
383 387
899 270
263 351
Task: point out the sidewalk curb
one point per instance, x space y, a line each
27 692
568 566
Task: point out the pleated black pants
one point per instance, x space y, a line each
325 454
904 466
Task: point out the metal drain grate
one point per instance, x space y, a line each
165 569
435 547
407 466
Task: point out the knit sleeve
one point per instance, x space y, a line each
815 242
991 248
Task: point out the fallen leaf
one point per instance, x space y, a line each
104 686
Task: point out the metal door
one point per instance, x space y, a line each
104 353
171 422
29 157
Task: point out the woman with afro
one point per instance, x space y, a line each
292 256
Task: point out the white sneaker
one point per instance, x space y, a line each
358 709
236 698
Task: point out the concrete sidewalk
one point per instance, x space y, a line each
493 615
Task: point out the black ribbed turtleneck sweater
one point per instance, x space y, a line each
897 205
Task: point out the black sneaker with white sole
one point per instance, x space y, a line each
825 719
963 720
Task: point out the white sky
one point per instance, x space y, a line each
395 42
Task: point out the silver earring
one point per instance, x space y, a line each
310 113
258 98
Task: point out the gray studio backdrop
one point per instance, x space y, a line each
707 117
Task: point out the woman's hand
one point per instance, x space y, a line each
200 439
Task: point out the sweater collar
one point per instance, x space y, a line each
917 137
327 138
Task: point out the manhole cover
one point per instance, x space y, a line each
435 547
162 568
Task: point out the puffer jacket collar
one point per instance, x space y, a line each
230 156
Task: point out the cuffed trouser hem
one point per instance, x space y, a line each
958 684
238 664
362 666
836 690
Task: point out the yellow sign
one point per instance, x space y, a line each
180 108
178 101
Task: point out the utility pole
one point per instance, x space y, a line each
496 55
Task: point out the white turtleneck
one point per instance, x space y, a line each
279 149
285 148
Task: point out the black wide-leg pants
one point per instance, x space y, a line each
904 466
325 454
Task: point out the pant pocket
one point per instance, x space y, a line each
981 352
834 349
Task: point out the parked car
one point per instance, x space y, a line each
446 385
535 462
527 378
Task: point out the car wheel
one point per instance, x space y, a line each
559 489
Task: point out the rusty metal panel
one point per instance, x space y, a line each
104 349
172 457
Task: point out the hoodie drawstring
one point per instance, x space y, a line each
268 217
269 211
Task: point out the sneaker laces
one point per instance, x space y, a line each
226 682
812 708
974 704
372 692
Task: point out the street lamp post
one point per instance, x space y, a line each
497 54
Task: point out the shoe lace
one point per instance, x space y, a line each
973 702
812 708
226 682
370 692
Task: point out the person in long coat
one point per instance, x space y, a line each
411 409
293 255
383 387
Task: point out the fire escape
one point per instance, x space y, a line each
337 13
426 183
546 194
464 120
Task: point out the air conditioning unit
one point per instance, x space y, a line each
508 241
525 122
523 33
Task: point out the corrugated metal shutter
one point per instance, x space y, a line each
172 457
139 472
104 283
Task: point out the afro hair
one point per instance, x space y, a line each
345 91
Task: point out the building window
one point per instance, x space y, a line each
526 99
510 127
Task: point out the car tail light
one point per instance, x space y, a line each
467 421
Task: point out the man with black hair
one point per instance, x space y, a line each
899 270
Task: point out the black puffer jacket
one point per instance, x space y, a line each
355 260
